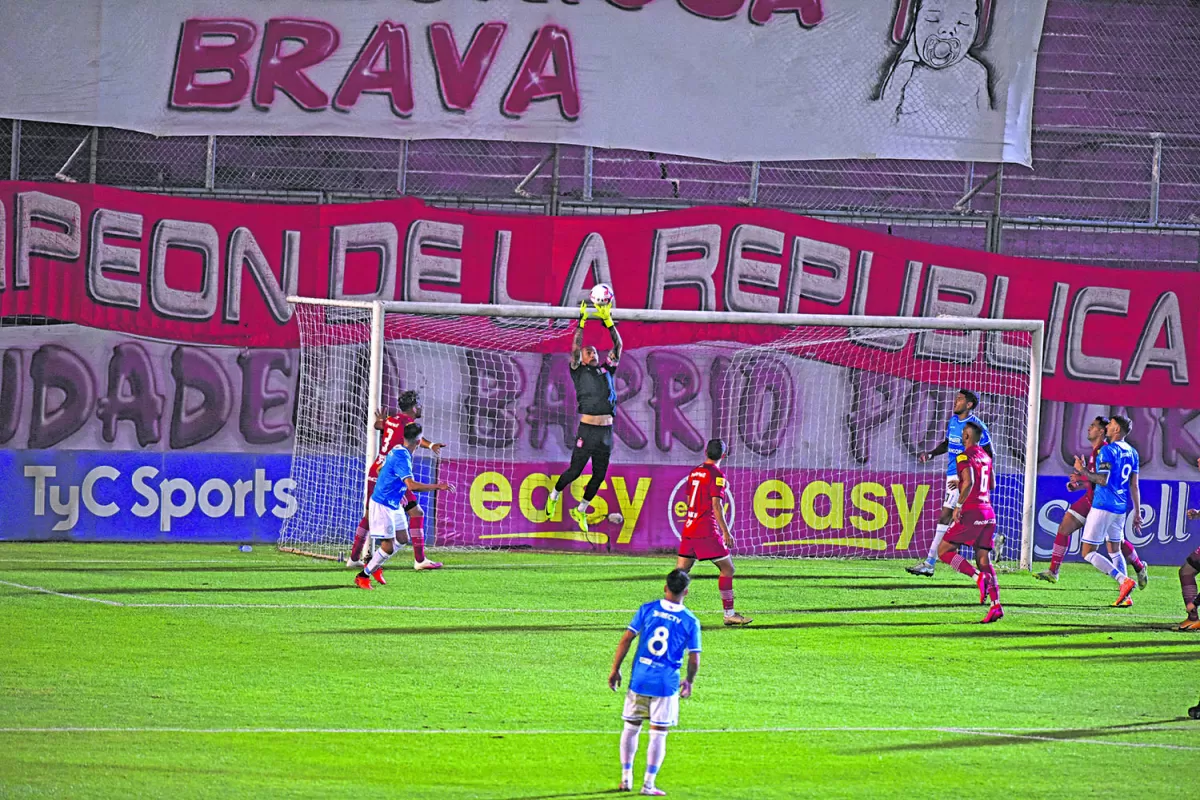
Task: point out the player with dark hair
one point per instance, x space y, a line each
665 630
394 484
1075 516
596 398
974 521
1187 582
706 534
965 403
1117 491
392 429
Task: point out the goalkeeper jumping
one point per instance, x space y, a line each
596 396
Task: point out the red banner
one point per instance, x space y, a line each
217 272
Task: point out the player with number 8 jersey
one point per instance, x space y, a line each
665 631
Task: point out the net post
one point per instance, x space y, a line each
374 393
1032 432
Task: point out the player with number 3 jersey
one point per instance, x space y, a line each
665 631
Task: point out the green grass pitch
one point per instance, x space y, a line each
197 671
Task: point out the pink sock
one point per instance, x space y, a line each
993 585
1131 554
360 538
1061 542
725 584
957 562
416 535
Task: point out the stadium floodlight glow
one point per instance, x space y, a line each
825 415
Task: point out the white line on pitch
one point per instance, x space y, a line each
458 610
1029 734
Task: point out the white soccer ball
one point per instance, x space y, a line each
616 519
602 294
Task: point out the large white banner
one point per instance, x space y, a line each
725 79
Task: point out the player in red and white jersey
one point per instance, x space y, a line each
1075 516
392 429
706 534
974 521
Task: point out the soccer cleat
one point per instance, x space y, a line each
1190 625
1126 603
1143 577
427 564
1047 576
1127 587
626 786
981 580
551 510
737 619
362 581
580 518
994 613
653 791
1194 711
378 576
924 568
353 563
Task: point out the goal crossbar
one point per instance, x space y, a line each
1034 327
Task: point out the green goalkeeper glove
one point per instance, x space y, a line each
604 314
583 314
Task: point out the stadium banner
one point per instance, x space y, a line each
218 272
732 80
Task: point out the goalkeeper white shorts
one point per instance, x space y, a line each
385 522
951 493
661 711
1101 526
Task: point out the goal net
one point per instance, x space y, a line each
825 418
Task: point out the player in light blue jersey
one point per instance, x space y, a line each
665 630
1117 493
385 509
964 411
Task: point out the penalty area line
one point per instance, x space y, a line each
1024 734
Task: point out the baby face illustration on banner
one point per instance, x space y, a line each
934 80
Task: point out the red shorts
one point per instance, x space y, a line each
703 548
1080 508
975 527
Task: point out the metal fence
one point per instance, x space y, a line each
1093 196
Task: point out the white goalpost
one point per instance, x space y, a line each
824 417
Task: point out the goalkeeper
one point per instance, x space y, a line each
596 396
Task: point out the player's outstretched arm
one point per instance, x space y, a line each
604 313
577 342
436 447
942 448
440 486
614 677
693 667
380 418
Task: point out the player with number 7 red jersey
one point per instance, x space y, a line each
706 533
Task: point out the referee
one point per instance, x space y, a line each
596 396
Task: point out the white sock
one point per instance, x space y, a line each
379 558
937 540
555 494
583 505
655 753
1118 559
1104 565
629 748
